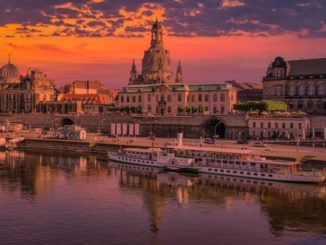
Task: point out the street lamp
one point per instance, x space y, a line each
215 128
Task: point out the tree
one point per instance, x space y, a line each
200 108
133 109
194 109
188 109
127 109
261 106
180 109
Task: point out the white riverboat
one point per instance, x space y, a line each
243 163
154 157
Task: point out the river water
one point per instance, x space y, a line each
51 198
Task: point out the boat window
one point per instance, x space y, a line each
255 174
248 173
222 170
228 171
262 174
209 169
234 172
270 175
241 172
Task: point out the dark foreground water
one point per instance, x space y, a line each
53 199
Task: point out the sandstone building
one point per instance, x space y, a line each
299 83
22 94
156 91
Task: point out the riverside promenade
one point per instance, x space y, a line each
101 143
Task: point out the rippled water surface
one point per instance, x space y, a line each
61 199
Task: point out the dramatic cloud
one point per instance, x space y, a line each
104 18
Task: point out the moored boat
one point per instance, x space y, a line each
244 163
154 157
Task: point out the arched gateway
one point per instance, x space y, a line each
67 121
214 127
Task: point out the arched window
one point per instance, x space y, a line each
179 97
122 99
128 99
222 97
169 98
206 97
200 98
215 97
301 90
310 104
278 90
321 89
292 90
311 90
139 98
300 104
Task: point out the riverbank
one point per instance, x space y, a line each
290 153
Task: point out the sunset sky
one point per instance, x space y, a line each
216 40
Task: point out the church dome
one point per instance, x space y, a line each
9 74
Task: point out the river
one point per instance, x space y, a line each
56 198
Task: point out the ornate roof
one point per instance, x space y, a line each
9 74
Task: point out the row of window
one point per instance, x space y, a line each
303 90
238 172
275 125
168 98
205 108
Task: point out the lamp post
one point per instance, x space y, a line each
215 128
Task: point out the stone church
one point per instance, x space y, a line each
157 91
22 94
299 83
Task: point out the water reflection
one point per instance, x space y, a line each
287 207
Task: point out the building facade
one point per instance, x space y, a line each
22 94
299 83
156 91
279 127
248 91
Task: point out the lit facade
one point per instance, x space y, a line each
299 83
22 94
156 91
279 127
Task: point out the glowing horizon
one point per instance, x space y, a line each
85 40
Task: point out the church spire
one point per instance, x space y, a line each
179 74
157 34
133 73
9 58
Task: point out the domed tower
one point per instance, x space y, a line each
277 69
9 73
156 64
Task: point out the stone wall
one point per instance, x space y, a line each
192 126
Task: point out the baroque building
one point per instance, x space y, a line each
22 94
156 92
299 83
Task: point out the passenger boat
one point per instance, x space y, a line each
243 163
154 157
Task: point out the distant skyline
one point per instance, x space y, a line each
215 40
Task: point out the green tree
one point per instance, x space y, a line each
127 109
180 109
